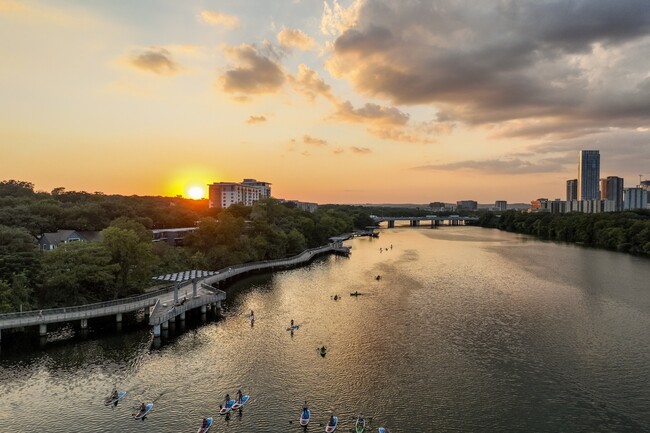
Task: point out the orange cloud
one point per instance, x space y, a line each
310 84
219 19
307 139
295 38
155 60
256 119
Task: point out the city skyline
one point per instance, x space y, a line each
332 102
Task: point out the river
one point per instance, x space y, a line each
468 330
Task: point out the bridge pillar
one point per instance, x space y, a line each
204 309
42 329
118 318
416 223
0 334
165 325
156 330
391 224
194 294
182 315
84 323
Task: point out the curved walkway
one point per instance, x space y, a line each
162 301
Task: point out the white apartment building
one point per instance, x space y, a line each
222 195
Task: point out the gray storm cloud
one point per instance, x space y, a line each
573 61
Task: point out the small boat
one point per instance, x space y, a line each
304 418
208 422
322 351
355 294
143 413
329 428
241 402
360 424
112 400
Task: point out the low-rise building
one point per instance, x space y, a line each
174 237
466 205
50 241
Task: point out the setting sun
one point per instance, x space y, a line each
195 192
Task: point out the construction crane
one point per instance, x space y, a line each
641 178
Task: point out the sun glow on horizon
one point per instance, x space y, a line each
195 192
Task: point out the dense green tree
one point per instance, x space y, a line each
77 273
133 253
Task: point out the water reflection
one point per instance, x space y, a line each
466 330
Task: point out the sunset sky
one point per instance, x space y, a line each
332 102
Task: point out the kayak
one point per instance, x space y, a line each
355 294
110 400
304 418
243 401
205 429
143 413
360 425
224 410
330 428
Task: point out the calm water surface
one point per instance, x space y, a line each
469 330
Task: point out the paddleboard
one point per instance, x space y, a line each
109 401
304 418
244 400
292 328
205 429
330 428
360 425
142 414
224 410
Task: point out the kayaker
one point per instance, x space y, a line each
205 423
114 395
305 409
291 326
143 407
239 395
227 399
331 421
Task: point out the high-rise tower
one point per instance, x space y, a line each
572 189
588 175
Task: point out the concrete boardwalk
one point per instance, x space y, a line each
165 304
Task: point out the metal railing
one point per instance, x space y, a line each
63 313
86 307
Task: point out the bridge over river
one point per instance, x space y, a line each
164 305
453 220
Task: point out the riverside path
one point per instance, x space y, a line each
165 304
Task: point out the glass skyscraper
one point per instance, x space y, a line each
589 175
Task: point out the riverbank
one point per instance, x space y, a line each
627 232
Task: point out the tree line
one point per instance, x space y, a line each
621 231
126 259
